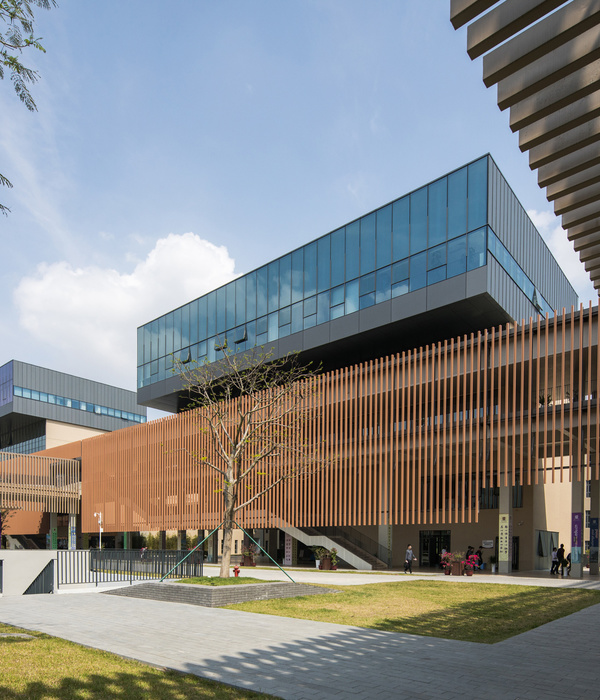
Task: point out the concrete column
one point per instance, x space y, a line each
53 534
72 534
384 540
505 530
126 540
162 539
181 539
594 521
577 523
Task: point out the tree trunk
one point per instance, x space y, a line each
227 533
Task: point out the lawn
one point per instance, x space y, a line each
479 612
216 581
47 667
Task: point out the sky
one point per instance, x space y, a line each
180 144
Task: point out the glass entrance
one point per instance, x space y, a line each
431 543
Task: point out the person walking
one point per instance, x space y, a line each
554 567
408 559
560 554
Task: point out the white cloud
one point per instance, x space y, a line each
90 314
556 238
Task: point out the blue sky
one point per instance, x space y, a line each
180 144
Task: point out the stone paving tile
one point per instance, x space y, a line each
298 659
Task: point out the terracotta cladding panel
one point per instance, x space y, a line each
410 438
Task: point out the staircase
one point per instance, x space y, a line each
349 552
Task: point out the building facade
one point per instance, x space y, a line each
42 409
455 256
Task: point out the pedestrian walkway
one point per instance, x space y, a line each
298 659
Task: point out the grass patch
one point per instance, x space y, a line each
216 581
48 667
486 613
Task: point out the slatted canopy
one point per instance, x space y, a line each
544 56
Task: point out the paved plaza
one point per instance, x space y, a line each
302 659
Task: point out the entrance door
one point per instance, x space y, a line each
431 543
515 554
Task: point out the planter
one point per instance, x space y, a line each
248 561
457 568
469 572
325 564
447 571
494 568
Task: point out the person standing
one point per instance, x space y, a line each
554 567
560 555
408 559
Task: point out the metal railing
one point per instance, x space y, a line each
357 538
116 565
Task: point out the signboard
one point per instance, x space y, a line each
288 550
72 538
505 537
594 522
54 537
487 544
577 537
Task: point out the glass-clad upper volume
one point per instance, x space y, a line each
434 233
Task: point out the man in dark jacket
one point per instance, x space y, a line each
408 559
561 559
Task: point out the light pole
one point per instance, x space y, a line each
99 516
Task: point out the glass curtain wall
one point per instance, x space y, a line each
434 233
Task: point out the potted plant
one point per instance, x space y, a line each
470 563
457 560
249 553
334 558
446 562
493 563
323 555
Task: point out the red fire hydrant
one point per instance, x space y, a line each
236 571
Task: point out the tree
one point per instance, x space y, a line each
5 515
18 35
253 410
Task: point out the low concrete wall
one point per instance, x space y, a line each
21 566
217 596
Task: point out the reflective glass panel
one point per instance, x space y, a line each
310 269
297 275
285 280
457 203
400 235
352 296
383 285
436 257
251 296
273 274
476 249
418 271
457 256
384 236
323 263
338 239
221 310
418 221
367 244
261 291
437 212
477 184
352 250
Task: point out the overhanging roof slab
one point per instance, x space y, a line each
547 70
585 195
580 112
541 38
567 165
584 81
463 11
505 21
573 140
585 178
581 215
585 233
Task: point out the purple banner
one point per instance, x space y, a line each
577 530
593 532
